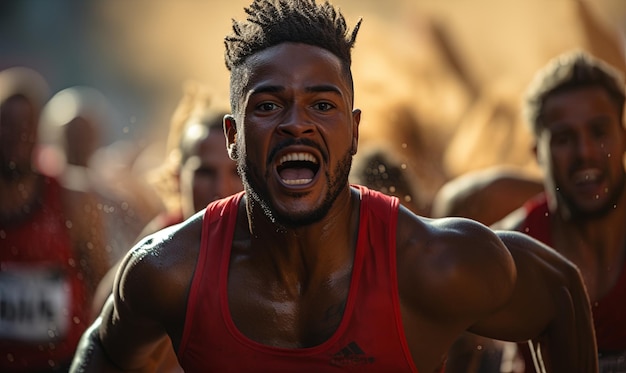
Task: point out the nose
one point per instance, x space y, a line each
296 123
587 147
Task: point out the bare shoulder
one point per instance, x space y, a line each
453 269
156 273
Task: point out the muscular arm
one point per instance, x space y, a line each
451 273
456 275
93 357
549 306
148 302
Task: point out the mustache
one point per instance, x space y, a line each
291 142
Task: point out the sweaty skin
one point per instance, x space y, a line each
298 240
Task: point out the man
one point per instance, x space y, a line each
207 173
197 169
575 108
72 128
52 251
304 272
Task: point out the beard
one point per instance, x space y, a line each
578 213
259 195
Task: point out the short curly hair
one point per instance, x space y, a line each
570 71
272 22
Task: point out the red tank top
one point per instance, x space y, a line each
609 313
370 337
42 297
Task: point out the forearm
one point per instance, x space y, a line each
557 295
569 343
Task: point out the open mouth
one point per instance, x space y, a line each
297 168
587 176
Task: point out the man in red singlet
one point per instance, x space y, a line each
303 271
52 252
575 107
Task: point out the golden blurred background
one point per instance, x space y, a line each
439 81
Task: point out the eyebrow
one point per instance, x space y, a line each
266 89
324 88
312 89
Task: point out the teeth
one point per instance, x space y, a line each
297 182
297 157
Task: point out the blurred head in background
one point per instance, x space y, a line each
22 94
197 169
206 172
73 124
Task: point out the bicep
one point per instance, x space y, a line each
542 274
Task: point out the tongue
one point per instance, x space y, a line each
296 174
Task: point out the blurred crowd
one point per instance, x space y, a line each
71 205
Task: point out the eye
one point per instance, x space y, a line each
600 130
560 138
267 106
323 106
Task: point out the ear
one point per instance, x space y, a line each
356 120
230 131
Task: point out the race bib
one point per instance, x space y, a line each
612 362
34 303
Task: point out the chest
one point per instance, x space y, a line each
601 265
297 315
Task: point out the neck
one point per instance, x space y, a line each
302 254
599 232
